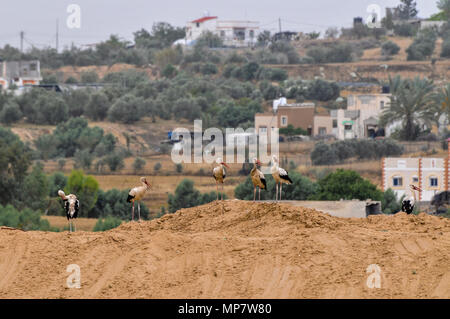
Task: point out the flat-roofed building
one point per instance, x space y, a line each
429 174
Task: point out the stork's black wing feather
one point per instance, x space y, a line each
263 180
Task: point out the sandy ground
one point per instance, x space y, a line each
235 249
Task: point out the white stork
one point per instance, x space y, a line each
136 194
71 207
219 174
408 203
258 178
280 176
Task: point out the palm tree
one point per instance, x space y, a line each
410 103
441 105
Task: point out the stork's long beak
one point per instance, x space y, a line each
225 164
258 162
147 184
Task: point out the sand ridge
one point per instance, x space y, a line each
234 249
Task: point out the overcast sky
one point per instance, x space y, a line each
100 18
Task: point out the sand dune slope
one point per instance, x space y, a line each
234 249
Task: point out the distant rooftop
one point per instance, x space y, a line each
203 19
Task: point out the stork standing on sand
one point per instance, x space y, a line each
71 207
280 176
136 194
219 174
258 178
409 203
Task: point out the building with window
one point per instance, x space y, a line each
430 174
360 119
235 33
298 115
19 74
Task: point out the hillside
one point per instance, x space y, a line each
234 249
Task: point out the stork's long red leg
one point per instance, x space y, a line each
217 188
139 211
132 212
281 189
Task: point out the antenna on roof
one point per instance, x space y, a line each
206 13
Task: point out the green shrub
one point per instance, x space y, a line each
179 168
389 48
341 52
423 46
86 189
340 151
25 219
157 167
390 203
114 203
10 113
115 161
107 223
187 196
405 30
302 188
347 185
138 164
126 109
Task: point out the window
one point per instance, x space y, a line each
415 179
334 123
33 67
348 127
252 34
382 105
222 34
397 181
322 131
198 25
433 181
263 129
284 120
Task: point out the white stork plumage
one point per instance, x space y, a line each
258 179
280 176
219 174
409 202
136 194
71 207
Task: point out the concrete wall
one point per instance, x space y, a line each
323 121
297 116
345 209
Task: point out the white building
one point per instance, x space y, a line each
237 33
429 174
19 74
360 119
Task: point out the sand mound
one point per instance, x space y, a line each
234 249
